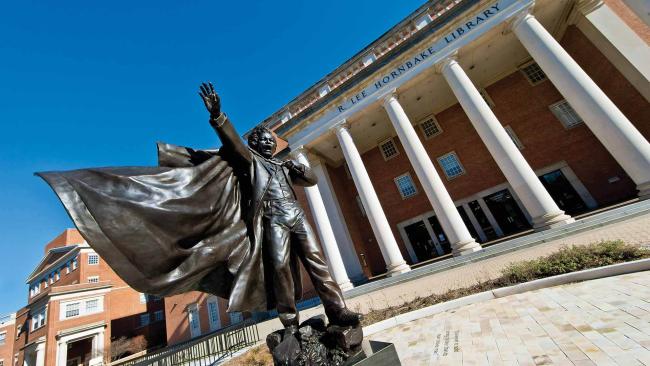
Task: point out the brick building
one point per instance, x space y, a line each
7 331
468 122
77 308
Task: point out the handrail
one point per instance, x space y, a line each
202 351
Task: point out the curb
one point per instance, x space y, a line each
584 275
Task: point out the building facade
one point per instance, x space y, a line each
7 332
468 122
471 121
78 310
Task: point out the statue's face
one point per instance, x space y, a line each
266 145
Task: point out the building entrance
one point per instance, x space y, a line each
79 352
421 241
483 221
563 193
440 235
506 212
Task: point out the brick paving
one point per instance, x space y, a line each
599 322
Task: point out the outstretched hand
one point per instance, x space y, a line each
210 99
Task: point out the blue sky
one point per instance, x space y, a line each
88 83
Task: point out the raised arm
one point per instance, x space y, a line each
232 144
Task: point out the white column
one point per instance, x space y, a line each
324 229
538 202
617 41
61 353
459 237
395 264
40 354
626 144
334 213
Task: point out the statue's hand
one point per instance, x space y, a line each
210 99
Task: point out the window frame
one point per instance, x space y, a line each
93 259
555 109
426 119
514 137
3 340
462 168
82 307
93 279
383 153
526 75
38 318
415 188
141 320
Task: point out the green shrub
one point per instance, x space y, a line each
571 259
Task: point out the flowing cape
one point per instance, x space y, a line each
169 229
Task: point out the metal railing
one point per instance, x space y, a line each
204 351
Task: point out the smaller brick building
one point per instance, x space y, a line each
78 308
7 330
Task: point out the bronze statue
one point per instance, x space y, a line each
224 222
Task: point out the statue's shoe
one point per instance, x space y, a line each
344 317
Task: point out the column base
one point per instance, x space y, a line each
550 221
346 286
466 247
644 190
398 269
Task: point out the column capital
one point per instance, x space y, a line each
445 62
387 95
340 125
587 6
522 15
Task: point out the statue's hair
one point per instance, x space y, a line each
255 134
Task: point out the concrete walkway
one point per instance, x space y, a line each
599 322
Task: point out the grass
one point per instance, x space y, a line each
565 260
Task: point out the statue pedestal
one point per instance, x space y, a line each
318 344
375 353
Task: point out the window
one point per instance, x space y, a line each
51 278
513 137
565 113
93 279
486 97
92 305
72 310
534 74
2 362
67 268
430 127
144 319
388 149
236 317
405 185
3 338
213 314
361 208
45 283
81 307
450 165
93 259
57 275
158 315
193 319
38 318
75 263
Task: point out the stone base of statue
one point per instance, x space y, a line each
318 344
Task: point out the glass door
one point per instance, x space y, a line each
421 241
563 193
506 212
481 218
441 237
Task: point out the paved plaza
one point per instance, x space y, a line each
599 322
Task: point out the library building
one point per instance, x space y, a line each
470 122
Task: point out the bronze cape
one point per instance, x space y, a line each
175 228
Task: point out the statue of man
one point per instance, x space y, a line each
223 222
274 212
